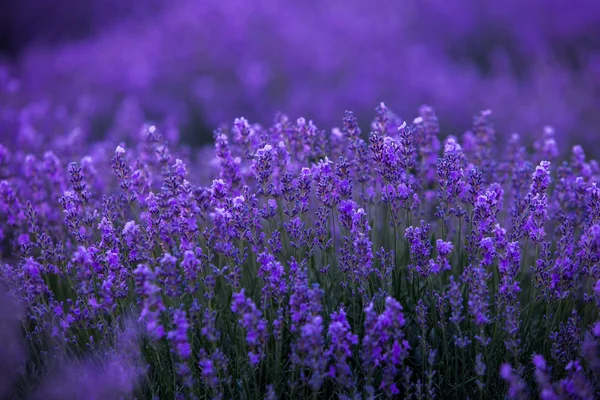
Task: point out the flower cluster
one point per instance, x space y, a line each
300 263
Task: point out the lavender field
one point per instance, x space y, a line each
381 252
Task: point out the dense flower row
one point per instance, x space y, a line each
315 264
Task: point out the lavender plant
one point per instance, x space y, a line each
313 264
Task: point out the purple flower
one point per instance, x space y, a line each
565 341
478 303
341 342
546 148
323 175
250 318
178 336
455 300
485 211
152 301
441 262
596 329
229 165
219 189
122 170
305 301
420 248
346 210
516 387
480 370
33 279
307 353
207 368
356 258
538 202
507 297
273 274
450 178
384 345
263 168
170 276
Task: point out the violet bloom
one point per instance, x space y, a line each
450 178
273 274
485 212
343 181
356 254
480 370
214 368
275 243
307 353
33 279
543 378
406 141
181 346
304 188
546 148
384 345
478 303
72 212
420 248
263 168
170 276
346 209
455 300
566 340
209 329
178 336
538 202
428 144
341 342
388 156
516 386
441 262
123 171
10 205
298 234
323 175
208 370
485 137
132 237
108 234
152 302
192 267
596 329
76 178
357 152
593 203
228 163
576 384
509 267
305 301
488 251
250 318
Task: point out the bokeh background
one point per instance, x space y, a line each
111 64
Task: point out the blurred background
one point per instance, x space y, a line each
111 64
